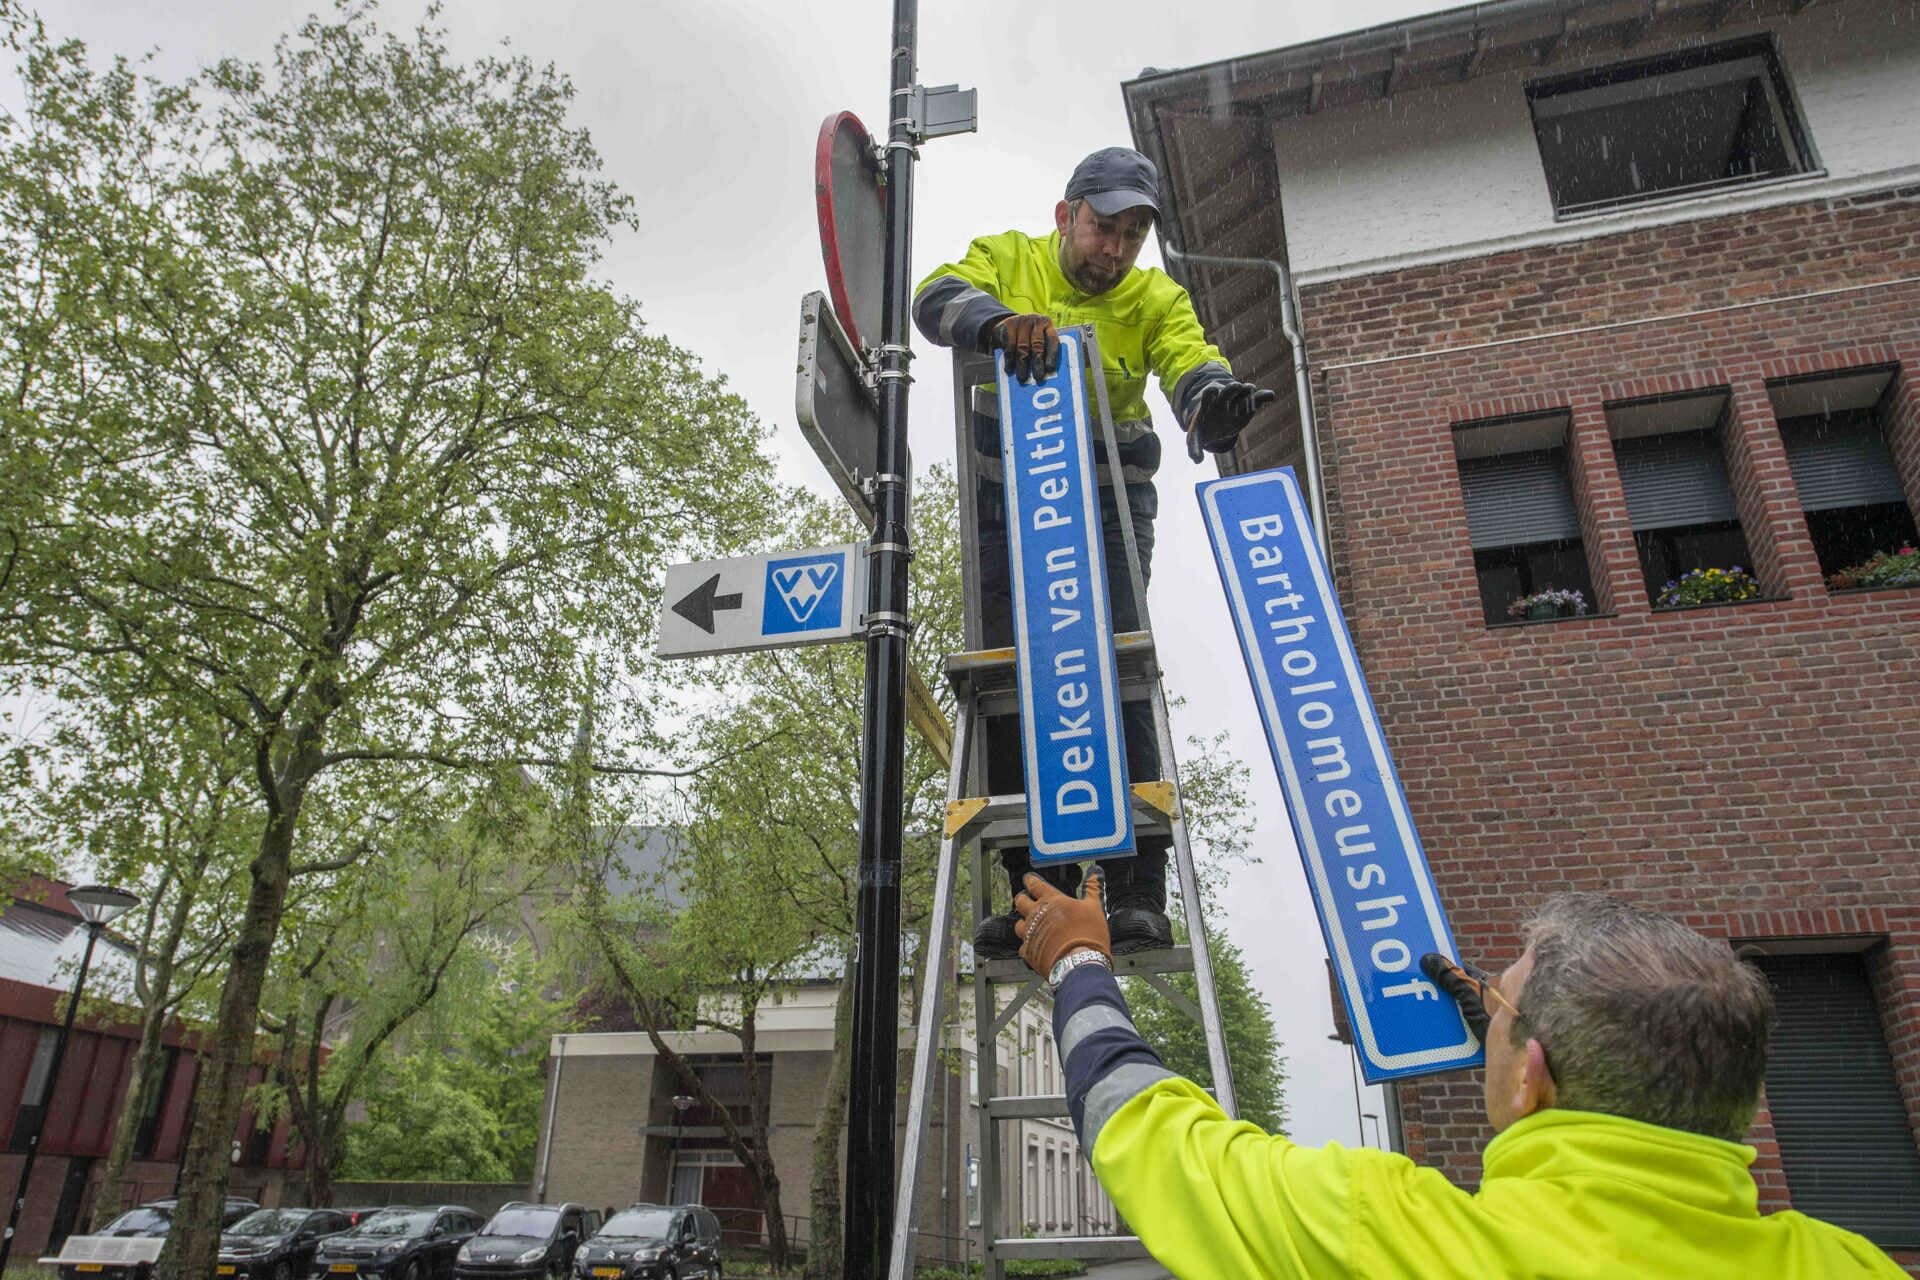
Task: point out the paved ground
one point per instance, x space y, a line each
1134 1269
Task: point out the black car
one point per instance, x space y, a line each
155 1218
275 1244
523 1241
80 1259
402 1242
653 1242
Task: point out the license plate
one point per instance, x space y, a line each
607 1271
91 1266
343 1268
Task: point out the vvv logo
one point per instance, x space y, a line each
803 593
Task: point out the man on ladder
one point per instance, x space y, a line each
1010 293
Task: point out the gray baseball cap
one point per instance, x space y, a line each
1114 179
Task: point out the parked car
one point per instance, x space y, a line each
275 1244
524 1241
653 1242
155 1217
125 1248
403 1242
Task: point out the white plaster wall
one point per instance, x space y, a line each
1454 172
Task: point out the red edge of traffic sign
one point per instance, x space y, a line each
823 200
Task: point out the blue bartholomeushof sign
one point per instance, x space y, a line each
803 593
1077 800
1377 903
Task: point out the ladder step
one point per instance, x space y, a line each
1003 819
992 670
1169 960
1083 1248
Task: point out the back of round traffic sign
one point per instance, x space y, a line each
851 200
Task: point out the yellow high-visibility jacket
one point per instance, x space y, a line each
1567 1195
1145 324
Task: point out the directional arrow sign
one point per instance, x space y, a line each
767 601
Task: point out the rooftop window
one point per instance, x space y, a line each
1679 124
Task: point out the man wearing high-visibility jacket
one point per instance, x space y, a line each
1011 293
1625 1058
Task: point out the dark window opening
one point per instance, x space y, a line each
1510 573
1521 519
1665 554
1674 477
1849 536
34 1095
1833 430
1673 125
1845 1142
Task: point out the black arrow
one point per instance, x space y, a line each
703 601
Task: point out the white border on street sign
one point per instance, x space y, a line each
726 606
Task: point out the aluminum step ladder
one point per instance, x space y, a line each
980 825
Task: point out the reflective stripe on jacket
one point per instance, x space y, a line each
1566 1194
1145 324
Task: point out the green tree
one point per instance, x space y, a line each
334 437
362 962
477 1059
1253 1048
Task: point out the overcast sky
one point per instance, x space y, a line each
707 112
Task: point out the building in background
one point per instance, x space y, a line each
1590 295
41 937
613 1135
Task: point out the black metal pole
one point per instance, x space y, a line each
46 1098
874 1073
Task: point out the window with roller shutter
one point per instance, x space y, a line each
1846 1143
1833 428
1521 518
1673 473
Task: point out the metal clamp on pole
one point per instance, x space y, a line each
898 548
887 624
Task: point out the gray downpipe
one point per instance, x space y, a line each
553 1103
1290 326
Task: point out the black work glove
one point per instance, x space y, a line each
1222 413
1453 980
1032 345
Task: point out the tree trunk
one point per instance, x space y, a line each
823 1241
193 1245
143 1081
762 1159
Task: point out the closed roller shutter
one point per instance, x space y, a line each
1840 460
1675 479
1517 499
1845 1141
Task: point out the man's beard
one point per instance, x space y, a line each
1089 279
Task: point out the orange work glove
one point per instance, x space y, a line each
1052 925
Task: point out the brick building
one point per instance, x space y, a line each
41 938
1589 295
612 1134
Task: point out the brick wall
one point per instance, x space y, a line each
1749 767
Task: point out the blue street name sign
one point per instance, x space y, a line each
1077 799
1378 907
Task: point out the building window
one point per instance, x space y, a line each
33 1097
1675 476
1833 427
1676 125
1520 513
1845 1143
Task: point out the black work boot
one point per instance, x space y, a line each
994 938
1138 923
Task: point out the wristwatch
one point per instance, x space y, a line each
1073 960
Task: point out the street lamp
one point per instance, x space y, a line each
1368 1115
99 906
